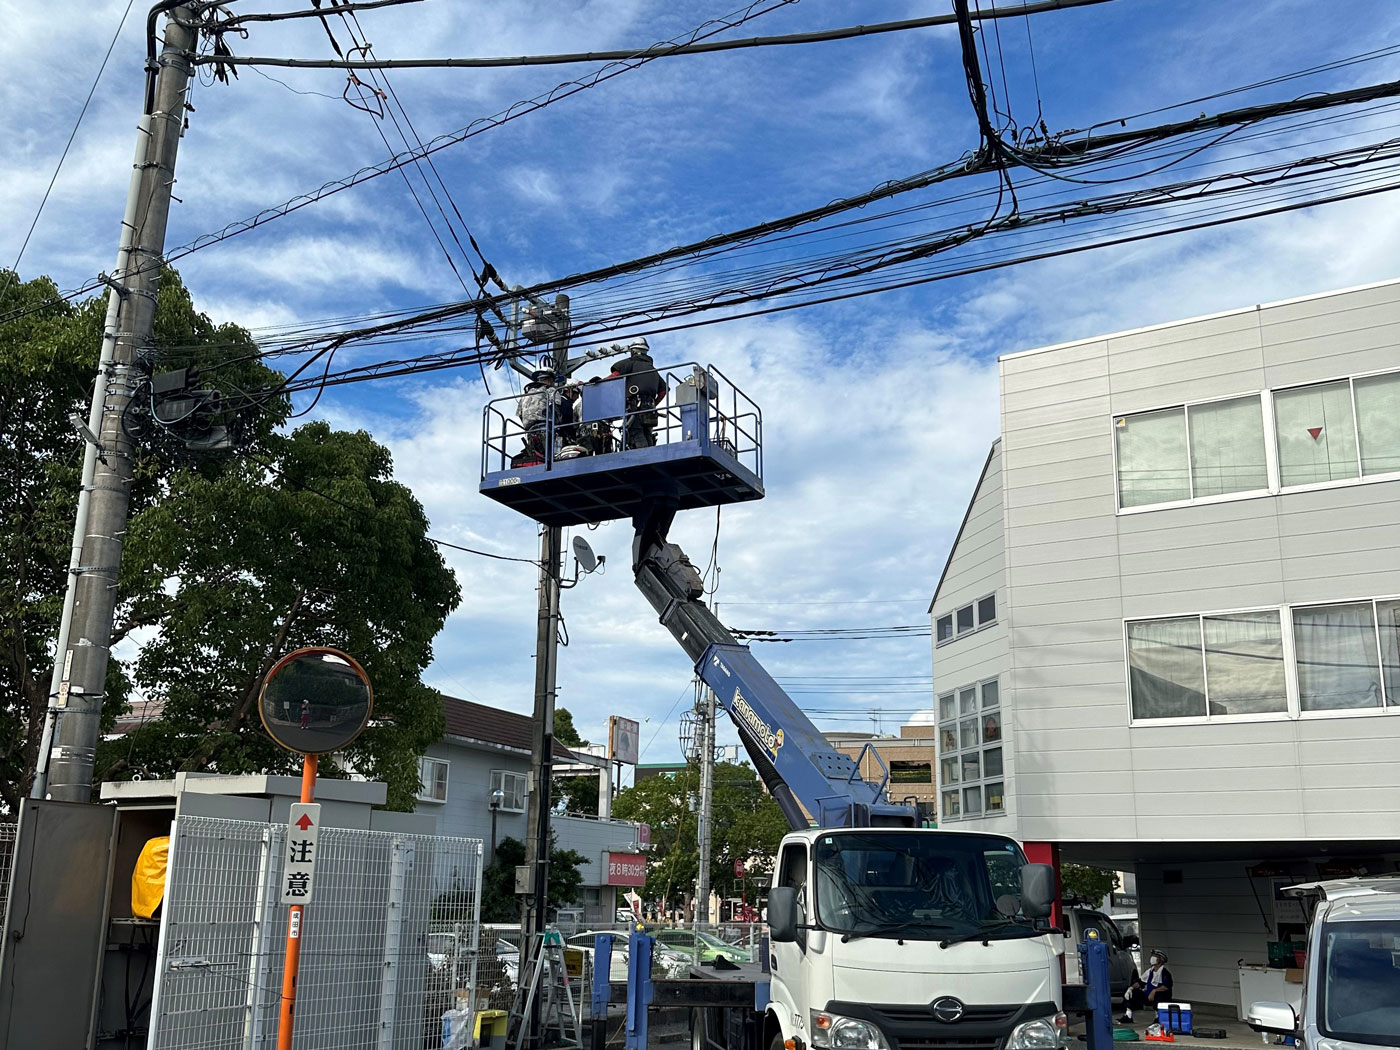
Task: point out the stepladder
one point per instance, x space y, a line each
559 1012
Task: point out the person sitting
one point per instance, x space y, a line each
1153 987
645 390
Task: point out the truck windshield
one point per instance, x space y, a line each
1360 1001
921 885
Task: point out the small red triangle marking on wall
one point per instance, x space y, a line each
1314 431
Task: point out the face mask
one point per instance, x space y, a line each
1156 960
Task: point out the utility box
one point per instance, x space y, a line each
81 963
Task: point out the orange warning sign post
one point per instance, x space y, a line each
313 701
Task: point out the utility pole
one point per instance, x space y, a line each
68 748
542 761
706 818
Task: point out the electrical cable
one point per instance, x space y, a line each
709 47
14 270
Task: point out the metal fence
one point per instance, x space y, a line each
8 833
389 938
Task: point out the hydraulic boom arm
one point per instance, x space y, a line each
800 769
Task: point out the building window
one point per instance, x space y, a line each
1197 666
1338 662
911 772
986 610
512 786
965 621
432 779
1316 430
945 628
970 773
1378 422
590 896
1343 656
1191 452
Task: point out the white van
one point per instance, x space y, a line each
1351 977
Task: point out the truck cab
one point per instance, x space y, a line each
903 938
1351 974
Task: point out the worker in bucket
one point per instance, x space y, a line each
645 391
1153 987
544 403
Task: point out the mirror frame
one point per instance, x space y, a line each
323 650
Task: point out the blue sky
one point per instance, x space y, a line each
878 410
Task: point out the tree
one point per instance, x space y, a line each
315 545
48 358
564 730
1083 883
499 903
747 826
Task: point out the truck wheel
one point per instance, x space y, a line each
776 1043
697 1029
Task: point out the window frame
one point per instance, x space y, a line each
1266 408
1293 712
973 608
426 795
1271 448
959 754
524 793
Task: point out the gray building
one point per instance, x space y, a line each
1167 638
484 750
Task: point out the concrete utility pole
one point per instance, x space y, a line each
542 761
706 820
68 748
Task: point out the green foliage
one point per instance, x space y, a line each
747 826
1083 883
499 904
48 359
578 795
564 730
302 538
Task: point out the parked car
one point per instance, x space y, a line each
669 962
700 946
1121 967
1351 989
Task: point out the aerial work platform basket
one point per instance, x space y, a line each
598 458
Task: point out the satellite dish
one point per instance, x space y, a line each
583 554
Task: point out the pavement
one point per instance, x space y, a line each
1238 1035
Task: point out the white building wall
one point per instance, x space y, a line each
975 569
1076 568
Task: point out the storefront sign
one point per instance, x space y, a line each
626 869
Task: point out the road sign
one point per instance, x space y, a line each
299 860
739 869
623 735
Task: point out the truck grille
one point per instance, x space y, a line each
920 1042
971 1014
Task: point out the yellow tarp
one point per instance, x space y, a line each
148 878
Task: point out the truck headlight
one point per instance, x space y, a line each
845 1033
1044 1033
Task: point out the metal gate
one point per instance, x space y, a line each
389 937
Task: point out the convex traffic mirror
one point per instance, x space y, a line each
315 700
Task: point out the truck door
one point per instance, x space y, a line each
789 961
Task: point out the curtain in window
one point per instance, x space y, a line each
1378 420
1389 615
1316 434
1245 673
1227 447
1338 667
1152 465
1165 673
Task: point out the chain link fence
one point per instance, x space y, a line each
389 939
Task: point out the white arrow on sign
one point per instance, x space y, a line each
299 870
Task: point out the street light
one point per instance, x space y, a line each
497 797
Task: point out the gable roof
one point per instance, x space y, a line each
966 514
491 725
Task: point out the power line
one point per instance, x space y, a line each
708 47
14 270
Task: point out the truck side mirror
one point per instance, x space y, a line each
1274 1018
782 914
1037 890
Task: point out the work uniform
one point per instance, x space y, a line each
645 390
